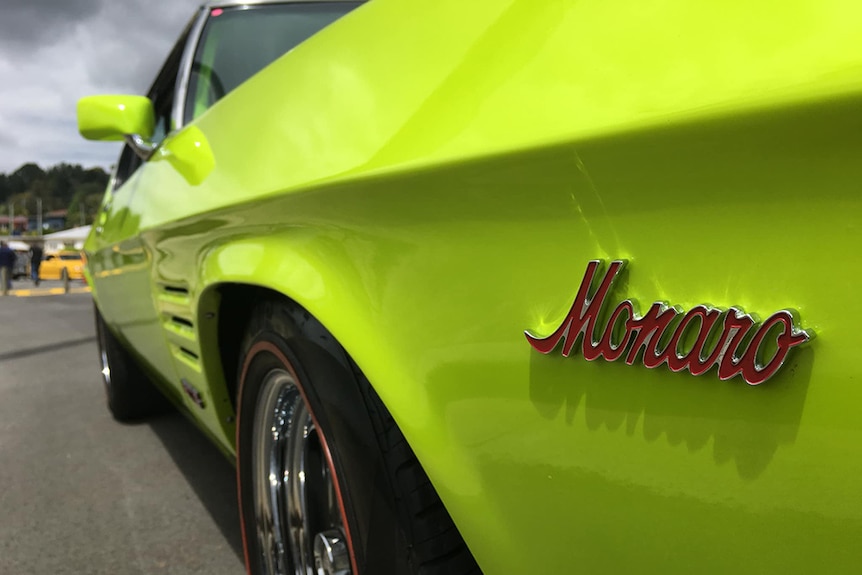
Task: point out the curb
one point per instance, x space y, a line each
46 292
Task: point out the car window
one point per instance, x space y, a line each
236 43
70 256
162 95
163 91
126 166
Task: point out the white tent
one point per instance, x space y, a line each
73 237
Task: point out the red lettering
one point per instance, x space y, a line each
606 346
650 328
694 360
644 334
582 317
735 329
755 374
676 361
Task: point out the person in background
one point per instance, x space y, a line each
36 254
7 261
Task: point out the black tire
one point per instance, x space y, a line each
131 396
392 520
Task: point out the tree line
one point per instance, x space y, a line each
60 187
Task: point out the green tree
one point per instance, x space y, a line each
85 203
62 186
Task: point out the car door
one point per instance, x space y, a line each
233 44
106 261
120 262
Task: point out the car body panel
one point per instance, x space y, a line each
428 197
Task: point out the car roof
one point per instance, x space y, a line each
231 3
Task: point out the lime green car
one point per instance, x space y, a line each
510 287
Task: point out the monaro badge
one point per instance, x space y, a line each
696 340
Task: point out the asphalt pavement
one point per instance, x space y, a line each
81 493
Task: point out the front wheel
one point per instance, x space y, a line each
298 517
327 484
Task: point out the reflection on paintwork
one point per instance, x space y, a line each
189 153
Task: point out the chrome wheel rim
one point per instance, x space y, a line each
103 357
298 521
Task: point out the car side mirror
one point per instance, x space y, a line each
189 152
112 118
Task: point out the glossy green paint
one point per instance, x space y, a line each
189 154
111 118
430 196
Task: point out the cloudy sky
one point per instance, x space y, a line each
52 52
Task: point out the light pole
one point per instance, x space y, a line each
39 216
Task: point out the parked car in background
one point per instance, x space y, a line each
441 278
22 259
59 265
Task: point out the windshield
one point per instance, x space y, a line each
239 42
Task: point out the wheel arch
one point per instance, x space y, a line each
231 304
237 275
329 290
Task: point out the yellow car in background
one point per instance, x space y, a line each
57 266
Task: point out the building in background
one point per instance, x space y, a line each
52 221
19 228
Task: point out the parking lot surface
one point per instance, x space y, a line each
81 493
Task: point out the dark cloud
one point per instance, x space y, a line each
129 41
36 23
53 52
